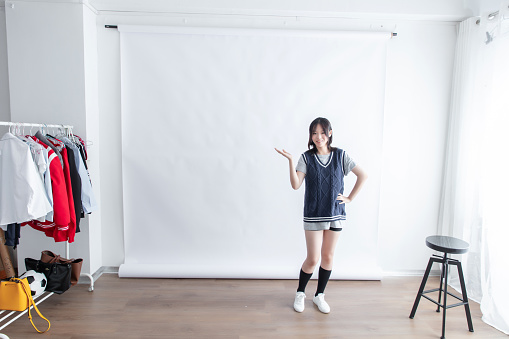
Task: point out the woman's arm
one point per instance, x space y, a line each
296 177
362 176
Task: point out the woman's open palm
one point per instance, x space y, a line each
284 153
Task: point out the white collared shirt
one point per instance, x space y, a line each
22 193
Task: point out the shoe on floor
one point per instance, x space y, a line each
298 304
321 303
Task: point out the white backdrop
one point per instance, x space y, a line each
205 195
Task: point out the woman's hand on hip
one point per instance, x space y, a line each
342 199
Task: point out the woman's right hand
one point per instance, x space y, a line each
284 153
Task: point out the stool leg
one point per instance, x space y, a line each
445 267
421 289
441 286
465 297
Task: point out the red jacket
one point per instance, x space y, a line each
63 226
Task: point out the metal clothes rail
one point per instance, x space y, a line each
25 124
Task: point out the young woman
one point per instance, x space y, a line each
324 168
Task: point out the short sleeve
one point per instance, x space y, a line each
348 163
301 165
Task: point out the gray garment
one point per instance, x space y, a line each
88 200
321 226
41 137
324 158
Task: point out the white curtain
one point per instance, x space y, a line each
205 193
476 179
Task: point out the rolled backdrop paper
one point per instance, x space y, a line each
205 194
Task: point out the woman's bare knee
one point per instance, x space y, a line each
327 261
310 264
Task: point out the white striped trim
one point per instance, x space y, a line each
330 159
319 219
52 156
304 158
341 160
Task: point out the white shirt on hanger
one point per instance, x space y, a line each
22 193
40 156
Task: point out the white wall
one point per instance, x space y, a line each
419 71
50 82
92 132
370 9
417 97
479 7
416 114
5 110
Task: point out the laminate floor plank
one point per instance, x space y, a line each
221 308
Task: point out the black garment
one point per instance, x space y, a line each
82 153
323 279
12 235
303 280
76 187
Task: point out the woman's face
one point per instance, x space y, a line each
319 137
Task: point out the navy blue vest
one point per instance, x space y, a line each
323 184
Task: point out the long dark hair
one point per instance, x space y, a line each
326 127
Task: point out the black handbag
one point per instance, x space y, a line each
58 275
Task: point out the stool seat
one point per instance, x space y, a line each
447 244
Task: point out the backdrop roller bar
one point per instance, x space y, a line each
393 34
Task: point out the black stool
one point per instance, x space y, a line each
447 245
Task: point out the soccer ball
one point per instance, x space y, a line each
37 282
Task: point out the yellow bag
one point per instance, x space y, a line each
15 295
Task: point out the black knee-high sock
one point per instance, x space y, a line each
303 280
323 279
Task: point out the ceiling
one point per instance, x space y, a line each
449 10
445 10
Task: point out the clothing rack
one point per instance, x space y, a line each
67 128
24 124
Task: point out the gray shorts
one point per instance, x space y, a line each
321 226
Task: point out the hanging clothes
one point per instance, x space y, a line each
12 235
40 157
22 193
76 187
61 232
59 227
48 178
41 137
88 201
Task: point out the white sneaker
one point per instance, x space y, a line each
298 304
321 303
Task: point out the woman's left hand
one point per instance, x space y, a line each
342 199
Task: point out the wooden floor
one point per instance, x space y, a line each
208 308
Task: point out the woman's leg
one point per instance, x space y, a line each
330 240
313 245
